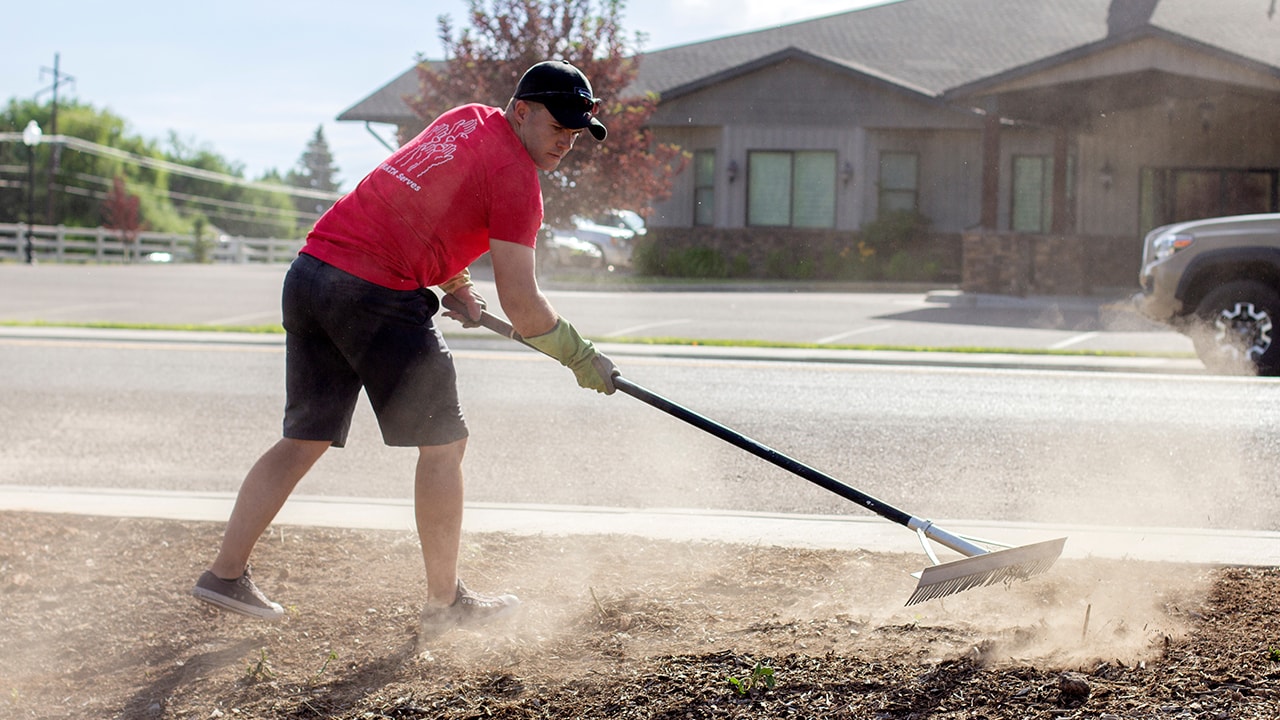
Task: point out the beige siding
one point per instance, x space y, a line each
803 106
808 105
950 182
1149 54
1243 133
797 93
677 211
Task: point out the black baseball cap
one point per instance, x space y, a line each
566 93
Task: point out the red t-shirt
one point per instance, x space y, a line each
430 209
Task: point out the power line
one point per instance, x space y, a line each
100 195
91 148
275 212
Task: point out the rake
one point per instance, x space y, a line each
980 566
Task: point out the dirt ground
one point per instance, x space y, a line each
98 622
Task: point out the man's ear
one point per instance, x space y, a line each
522 111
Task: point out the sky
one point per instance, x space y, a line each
252 79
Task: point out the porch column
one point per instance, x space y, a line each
1063 217
991 166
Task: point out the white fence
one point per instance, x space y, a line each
60 244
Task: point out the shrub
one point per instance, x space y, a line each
896 231
789 265
692 262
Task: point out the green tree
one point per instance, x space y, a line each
101 148
315 171
629 170
233 208
85 176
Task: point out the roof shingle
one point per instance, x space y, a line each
931 46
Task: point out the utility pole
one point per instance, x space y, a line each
56 157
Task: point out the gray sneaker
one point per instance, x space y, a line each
468 608
239 595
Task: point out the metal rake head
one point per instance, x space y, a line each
1005 566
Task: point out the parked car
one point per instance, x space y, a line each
1218 281
615 241
624 219
561 249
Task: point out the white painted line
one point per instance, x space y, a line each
1075 339
851 333
648 326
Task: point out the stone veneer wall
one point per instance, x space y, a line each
1021 264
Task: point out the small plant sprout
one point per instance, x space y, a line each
761 675
333 655
1273 654
261 670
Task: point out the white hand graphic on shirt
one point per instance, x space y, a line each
438 147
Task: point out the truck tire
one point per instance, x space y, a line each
1235 329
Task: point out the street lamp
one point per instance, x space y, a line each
31 138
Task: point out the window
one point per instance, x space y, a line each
899 182
791 189
704 187
1032 194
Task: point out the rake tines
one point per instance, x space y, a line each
1005 566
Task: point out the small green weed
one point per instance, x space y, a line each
333 655
761 676
1273 654
261 670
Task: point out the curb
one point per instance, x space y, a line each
830 532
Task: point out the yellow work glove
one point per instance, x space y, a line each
592 369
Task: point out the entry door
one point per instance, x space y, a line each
1171 195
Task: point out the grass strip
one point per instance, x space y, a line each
256 329
677 341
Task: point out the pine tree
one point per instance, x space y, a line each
315 171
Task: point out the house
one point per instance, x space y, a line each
1044 136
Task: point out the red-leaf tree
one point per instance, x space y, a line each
120 213
485 61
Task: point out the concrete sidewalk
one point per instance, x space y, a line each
869 532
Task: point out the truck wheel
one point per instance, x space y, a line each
1234 334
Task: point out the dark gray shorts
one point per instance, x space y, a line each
342 334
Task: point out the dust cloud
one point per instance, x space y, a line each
640 597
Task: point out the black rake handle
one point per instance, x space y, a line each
729 435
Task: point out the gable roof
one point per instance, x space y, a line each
936 45
927 44
789 53
929 47
386 104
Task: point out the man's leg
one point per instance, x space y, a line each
438 499
264 491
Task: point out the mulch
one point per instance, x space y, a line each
98 622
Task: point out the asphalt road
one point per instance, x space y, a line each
249 295
1014 445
